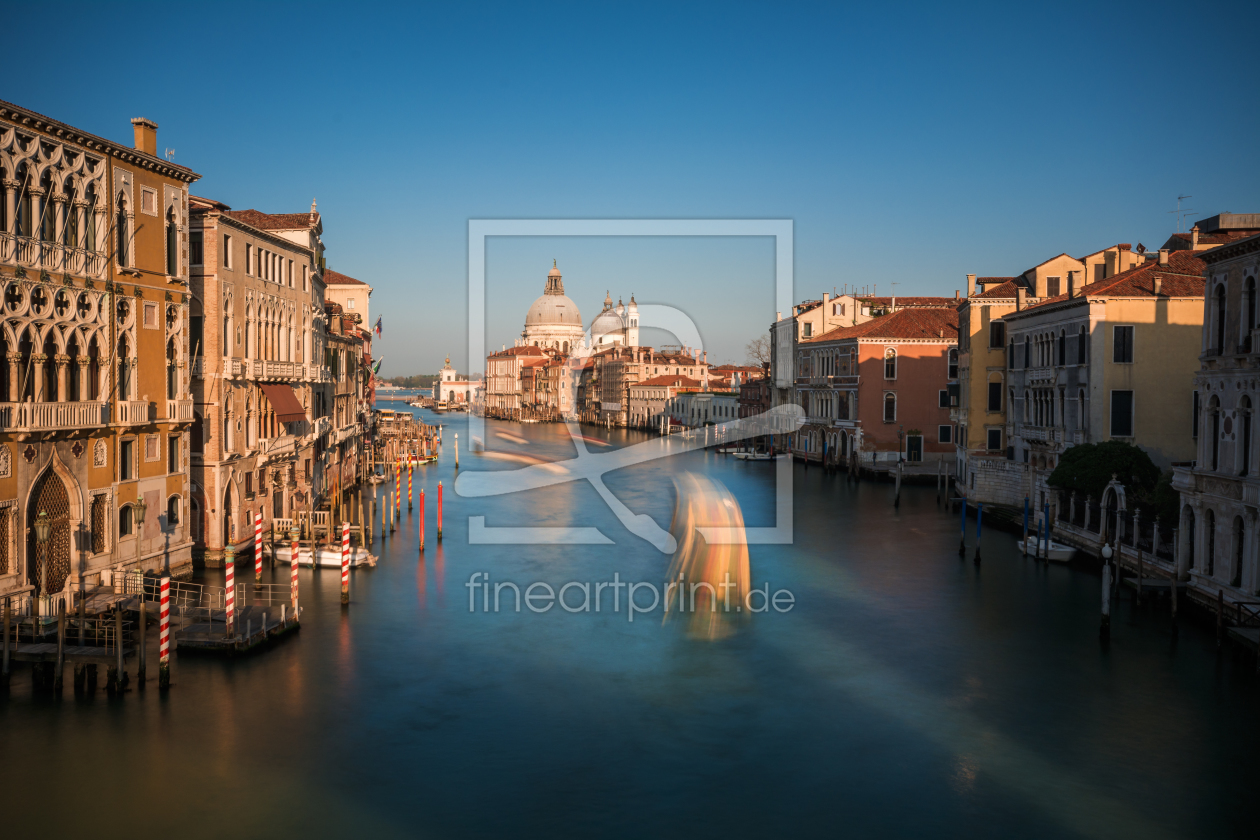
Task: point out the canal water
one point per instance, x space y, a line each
905 693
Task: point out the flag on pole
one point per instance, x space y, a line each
377 369
378 326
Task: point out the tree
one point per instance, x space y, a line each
757 351
1087 469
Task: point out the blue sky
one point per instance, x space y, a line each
909 143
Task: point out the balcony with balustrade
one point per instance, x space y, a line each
52 416
135 412
179 411
40 255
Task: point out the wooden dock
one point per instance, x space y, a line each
86 655
255 625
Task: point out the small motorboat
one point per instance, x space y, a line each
328 557
1057 552
757 456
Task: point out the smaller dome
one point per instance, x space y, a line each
555 272
606 322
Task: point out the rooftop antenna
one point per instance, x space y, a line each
170 154
1181 214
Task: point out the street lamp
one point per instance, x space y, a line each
43 532
1106 552
137 511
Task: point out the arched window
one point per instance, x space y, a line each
124 368
1219 297
1062 347
1209 524
1010 356
1027 352
172 511
1249 312
890 363
1027 407
1244 412
1187 520
1240 535
89 218
1082 415
1081 346
70 230
172 244
890 407
1214 411
123 233
125 521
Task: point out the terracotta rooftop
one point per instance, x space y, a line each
1005 287
336 278
663 381
940 323
910 301
272 221
1181 277
526 350
1216 238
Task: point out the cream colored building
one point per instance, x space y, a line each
451 387
353 296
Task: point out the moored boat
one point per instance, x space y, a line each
1057 552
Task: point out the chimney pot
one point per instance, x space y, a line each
955 294
1163 256
1159 282
145 135
1071 284
1019 298
971 284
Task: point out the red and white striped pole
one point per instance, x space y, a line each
422 519
293 570
409 482
164 636
439 516
398 485
258 547
345 564
229 594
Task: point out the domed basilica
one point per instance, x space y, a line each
554 322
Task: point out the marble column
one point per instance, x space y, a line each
14 361
85 377
10 204
62 361
38 361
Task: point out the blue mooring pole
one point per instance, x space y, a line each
979 523
1024 544
962 543
1045 517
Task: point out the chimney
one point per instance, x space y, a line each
1019 297
146 135
778 316
893 308
955 294
1159 282
1163 256
971 284
1194 238
1071 284
706 357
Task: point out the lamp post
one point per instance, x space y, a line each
138 511
43 532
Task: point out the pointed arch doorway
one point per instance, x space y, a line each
48 573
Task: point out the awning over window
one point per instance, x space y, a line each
284 401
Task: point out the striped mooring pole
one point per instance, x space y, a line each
398 485
421 519
229 587
164 636
258 547
409 470
345 564
439 515
293 570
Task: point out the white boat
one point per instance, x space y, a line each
757 456
1058 552
327 557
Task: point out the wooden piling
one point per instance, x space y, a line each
1220 616
1137 596
962 542
1104 629
371 523
439 512
141 651
421 526
4 660
979 525
164 635
345 564
59 673
120 672
1024 542
896 493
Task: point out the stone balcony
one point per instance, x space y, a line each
52 416
135 412
277 446
39 255
179 411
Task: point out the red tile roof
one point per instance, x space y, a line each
1005 287
940 323
272 221
525 350
910 301
336 278
1215 238
676 380
1181 277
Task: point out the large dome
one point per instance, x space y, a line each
553 309
606 322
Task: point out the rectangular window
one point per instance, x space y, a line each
126 457
995 396
151 316
305 279
944 434
1122 414
249 258
350 303
148 202
195 335
1123 345
308 469
172 454
1052 286
227 251
995 440
997 335
99 511
249 485
195 248
151 448
807 329
1194 416
943 398
289 278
